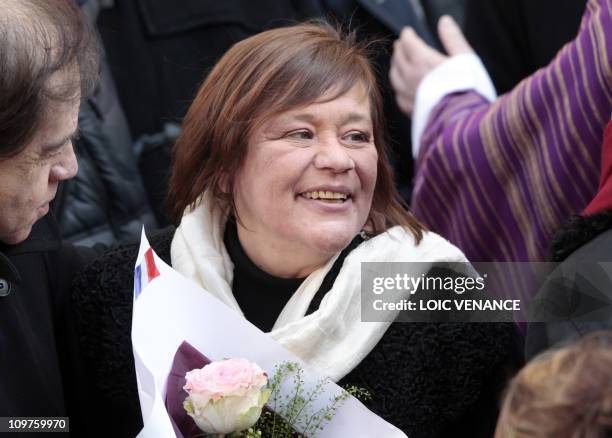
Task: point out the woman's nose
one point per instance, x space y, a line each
66 167
332 155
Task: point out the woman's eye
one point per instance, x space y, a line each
357 137
300 135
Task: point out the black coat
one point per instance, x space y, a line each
34 333
514 38
576 299
430 380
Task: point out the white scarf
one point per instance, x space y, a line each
332 339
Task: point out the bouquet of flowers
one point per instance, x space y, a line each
228 397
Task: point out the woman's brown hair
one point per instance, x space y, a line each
260 77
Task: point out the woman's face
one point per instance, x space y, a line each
306 185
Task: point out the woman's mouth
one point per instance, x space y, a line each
327 196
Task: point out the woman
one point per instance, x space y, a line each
278 176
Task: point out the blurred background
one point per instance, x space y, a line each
157 53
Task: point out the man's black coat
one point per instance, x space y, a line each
35 278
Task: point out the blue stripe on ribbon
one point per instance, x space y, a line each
137 281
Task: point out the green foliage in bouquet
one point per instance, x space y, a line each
295 408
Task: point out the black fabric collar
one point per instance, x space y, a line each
45 236
240 258
577 231
261 296
9 273
288 285
330 278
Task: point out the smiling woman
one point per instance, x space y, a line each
277 74
281 187
306 185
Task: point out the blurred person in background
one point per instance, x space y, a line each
517 37
106 201
563 393
577 297
48 61
505 171
160 52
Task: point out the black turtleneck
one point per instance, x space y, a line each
261 296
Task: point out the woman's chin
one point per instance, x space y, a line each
331 241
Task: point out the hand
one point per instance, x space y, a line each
413 59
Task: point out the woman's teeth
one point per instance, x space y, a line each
326 195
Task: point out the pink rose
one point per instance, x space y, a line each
225 378
226 396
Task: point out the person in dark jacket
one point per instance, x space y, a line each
576 299
281 184
516 38
179 43
48 60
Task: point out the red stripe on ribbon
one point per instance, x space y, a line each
152 270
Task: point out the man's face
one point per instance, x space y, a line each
29 180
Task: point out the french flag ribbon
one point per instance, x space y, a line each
145 271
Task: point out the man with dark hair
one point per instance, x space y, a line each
48 59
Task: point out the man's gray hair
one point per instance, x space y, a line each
39 38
